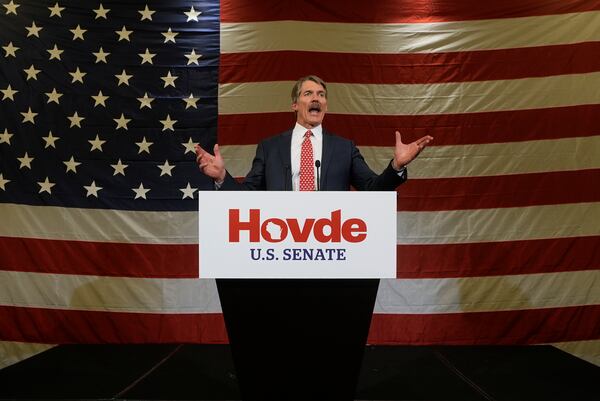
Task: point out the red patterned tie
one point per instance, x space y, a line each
307 165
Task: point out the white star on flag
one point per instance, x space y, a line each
77 76
188 191
33 30
54 96
11 8
190 146
3 182
78 32
9 93
192 14
144 146
50 140
123 78
5 137
119 167
56 11
99 99
190 101
147 57
97 143
92 189
140 192
169 36
123 34
169 79
29 116
10 50
55 53
193 57
165 168
101 12
31 73
122 122
25 161
101 56
46 186
168 123
146 13
145 101
71 165
75 120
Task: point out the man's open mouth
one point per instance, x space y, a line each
314 108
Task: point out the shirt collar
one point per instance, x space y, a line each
299 131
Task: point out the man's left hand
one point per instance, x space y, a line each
404 153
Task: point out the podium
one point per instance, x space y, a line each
297 276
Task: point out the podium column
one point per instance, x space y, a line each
297 339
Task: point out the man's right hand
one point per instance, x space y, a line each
212 166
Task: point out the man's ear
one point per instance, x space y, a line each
295 106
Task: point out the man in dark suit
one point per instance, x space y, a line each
302 339
276 166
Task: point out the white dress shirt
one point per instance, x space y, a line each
297 138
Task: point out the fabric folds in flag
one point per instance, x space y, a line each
497 240
101 105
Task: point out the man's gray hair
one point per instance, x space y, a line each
298 85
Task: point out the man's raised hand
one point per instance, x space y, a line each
404 153
212 166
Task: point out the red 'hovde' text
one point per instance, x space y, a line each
324 230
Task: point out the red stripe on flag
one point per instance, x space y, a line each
395 11
413 261
498 258
54 326
412 68
504 327
499 191
447 129
530 326
98 258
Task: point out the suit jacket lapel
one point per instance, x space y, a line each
327 157
285 151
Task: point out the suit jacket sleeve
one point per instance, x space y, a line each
346 167
364 179
255 179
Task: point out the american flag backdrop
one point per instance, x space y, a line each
102 102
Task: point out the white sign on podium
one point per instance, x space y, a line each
255 234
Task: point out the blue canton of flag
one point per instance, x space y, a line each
101 103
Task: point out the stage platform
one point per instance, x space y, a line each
206 372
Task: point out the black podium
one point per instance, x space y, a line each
297 339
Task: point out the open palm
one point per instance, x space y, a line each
404 153
212 166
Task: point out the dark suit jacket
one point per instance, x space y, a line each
342 166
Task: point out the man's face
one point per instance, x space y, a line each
311 105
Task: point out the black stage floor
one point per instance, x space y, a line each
205 372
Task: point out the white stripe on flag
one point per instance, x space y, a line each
420 99
568 154
438 227
502 224
116 294
586 350
448 295
12 352
410 37
487 294
102 225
